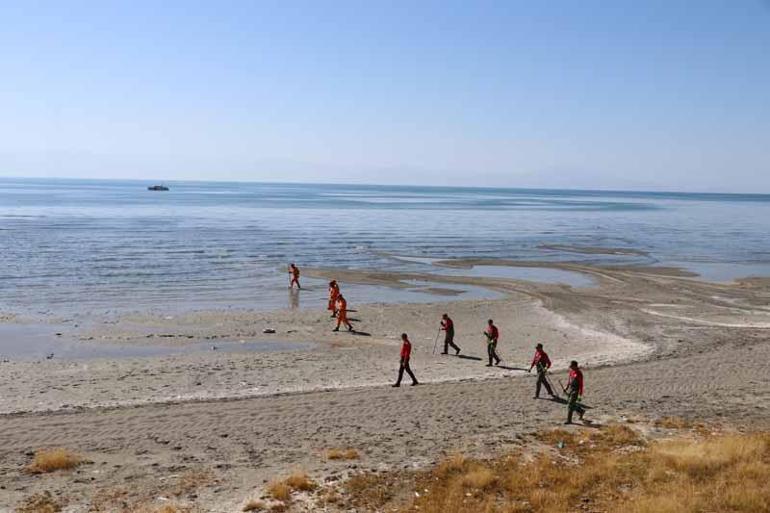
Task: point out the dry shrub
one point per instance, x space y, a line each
672 423
279 490
299 481
39 503
254 505
342 454
51 460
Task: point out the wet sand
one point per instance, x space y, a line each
655 341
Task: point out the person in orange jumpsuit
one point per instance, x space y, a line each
342 314
334 292
294 276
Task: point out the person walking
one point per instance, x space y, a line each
449 327
342 314
542 363
293 276
406 353
492 334
574 391
334 293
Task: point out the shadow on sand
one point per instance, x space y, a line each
466 357
461 356
510 368
562 400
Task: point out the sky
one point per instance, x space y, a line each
656 95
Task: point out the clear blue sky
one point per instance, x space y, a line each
603 94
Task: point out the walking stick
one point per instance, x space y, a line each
545 375
436 341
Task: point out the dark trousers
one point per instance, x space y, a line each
449 340
492 353
573 405
405 367
542 382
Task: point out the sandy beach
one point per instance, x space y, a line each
655 342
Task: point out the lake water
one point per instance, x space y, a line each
39 342
84 246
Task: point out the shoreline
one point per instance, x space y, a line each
563 317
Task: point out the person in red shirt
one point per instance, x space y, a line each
542 363
406 353
492 334
574 391
342 314
294 276
449 327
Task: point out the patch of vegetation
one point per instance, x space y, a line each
611 469
51 460
39 503
254 505
342 454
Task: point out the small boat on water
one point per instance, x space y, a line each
157 188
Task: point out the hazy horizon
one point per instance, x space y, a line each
653 96
147 181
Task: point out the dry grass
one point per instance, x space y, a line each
455 462
254 505
39 503
51 460
672 423
479 478
299 481
372 492
611 470
342 454
279 490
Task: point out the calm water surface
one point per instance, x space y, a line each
97 246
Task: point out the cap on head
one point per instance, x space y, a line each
444 316
490 321
539 346
404 336
573 364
